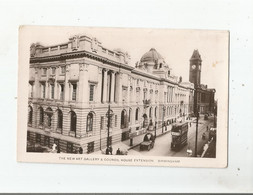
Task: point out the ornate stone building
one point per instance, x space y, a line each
72 84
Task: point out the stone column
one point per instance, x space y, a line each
99 86
105 87
47 90
83 85
108 86
56 85
120 88
112 86
134 92
66 84
141 95
36 89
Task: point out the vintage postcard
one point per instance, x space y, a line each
123 96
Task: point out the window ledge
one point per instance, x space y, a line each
59 130
72 133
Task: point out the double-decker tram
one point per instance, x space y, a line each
179 134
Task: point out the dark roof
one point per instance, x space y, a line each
196 55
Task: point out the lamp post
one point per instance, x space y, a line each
109 114
196 139
196 111
163 117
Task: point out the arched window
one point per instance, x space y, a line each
41 116
73 121
89 122
49 114
30 115
123 119
59 119
137 114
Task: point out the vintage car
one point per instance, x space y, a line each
148 142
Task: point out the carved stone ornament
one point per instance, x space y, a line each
94 44
100 70
75 43
67 67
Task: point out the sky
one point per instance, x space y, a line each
176 47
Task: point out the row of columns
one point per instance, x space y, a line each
111 86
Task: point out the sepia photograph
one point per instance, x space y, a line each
124 96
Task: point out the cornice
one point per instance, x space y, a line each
80 54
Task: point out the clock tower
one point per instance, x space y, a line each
195 68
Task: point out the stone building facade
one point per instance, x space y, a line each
71 86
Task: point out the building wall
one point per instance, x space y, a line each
113 82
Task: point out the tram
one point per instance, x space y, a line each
179 133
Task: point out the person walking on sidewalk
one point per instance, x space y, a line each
110 150
118 152
107 151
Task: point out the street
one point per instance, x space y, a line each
162 143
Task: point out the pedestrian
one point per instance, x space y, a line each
110 150
207 128
54 148
189 152
58 150
190 124
107 151
118 152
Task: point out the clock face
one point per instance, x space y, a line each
193 66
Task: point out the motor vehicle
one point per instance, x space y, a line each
148 142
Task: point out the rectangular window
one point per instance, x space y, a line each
52 91
115 120
102 122
63 70
90 147
53 70
44 71
124 94
43 90
62 92
74 91
92 92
